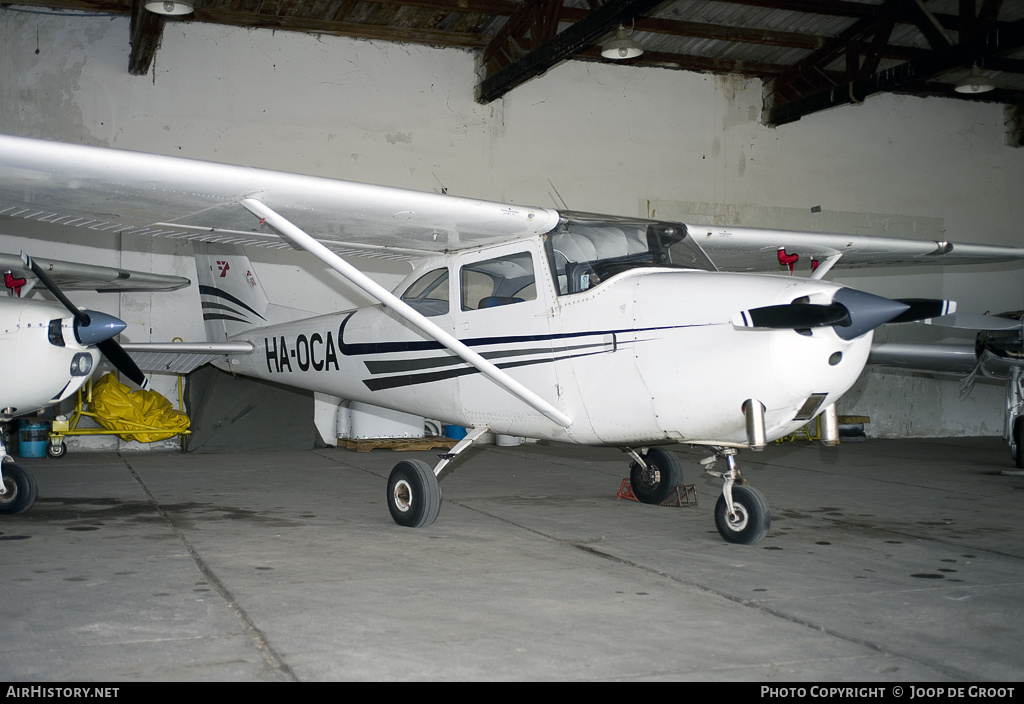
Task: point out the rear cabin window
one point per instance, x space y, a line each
428 295
585 252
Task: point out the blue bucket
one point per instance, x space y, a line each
454 432
33 437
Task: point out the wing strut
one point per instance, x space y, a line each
370 287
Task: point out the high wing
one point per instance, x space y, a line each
751 249
73 276
113 190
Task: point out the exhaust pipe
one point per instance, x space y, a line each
757 438
830 426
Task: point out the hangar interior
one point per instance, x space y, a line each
844 119
894 560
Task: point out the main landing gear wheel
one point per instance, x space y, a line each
654 483
414 496
751 517
18 490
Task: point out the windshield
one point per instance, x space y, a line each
584 252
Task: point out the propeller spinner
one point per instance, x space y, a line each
93 328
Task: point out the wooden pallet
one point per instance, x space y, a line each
398 444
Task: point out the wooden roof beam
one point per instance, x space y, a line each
564 45
146 31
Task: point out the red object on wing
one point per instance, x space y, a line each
13 284
788 259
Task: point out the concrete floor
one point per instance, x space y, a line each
897 561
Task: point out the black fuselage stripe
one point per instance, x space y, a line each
378 348
394 382
394 366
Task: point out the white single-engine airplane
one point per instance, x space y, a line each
48 350
518 320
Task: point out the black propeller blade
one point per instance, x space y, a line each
923 309
93 328
796 316
123 362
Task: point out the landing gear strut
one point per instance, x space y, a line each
741 514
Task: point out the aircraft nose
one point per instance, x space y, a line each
866 312
100 327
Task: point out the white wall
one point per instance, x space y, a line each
608 138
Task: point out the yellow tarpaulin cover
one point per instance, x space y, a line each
145 416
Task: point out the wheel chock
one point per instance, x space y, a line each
626 491
683 495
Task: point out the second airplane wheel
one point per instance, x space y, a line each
664 473
19 489
414 496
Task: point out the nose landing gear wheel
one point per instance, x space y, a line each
18 490
750 520
414 496
654 483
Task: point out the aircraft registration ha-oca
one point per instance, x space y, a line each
523 321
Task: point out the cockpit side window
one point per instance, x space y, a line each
498 282
428 295
585 252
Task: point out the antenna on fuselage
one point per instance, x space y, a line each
559 201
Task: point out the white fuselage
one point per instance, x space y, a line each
38 372
647 356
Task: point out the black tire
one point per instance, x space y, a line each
19 489
56 451
414 496
752 520
663 474
1018 442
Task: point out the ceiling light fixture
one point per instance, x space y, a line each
169 7
621 47
974 83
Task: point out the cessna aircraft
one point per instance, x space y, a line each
49 350
518 320
997 353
